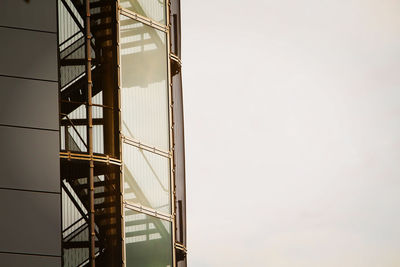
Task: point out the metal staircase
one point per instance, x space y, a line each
90 141
87 148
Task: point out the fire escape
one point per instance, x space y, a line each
90 141
89 120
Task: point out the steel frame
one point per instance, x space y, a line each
140 145
107 162
93 158
88 58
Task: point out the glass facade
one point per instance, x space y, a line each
146 115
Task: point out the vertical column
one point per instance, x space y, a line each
30 227
178 132
88 50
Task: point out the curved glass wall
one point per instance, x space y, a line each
145 127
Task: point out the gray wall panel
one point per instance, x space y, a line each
30 103
30 159
30 222
28 54
37 14
17 260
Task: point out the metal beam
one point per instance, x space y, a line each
88 58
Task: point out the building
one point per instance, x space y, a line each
91 129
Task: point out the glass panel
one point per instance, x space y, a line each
147 240
144 95
152 9
146 177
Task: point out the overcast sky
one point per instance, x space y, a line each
292 116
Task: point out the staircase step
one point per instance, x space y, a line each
96 184
105 205
100 4
74 61
85 197
80 187
103 194
102 26
101 15
73 92
100 217
78 244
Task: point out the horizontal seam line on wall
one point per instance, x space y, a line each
28 190
28 127
30 254
26 29
27 78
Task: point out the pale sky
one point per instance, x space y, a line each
292 120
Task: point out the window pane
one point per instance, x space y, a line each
147 240
146 177
144 95
152 9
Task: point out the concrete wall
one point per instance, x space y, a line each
30 224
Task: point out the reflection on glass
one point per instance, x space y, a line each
152 9
144 94
147 240
146 177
